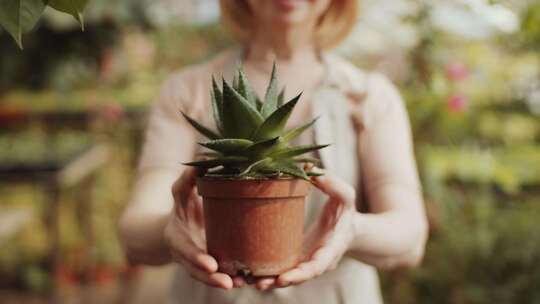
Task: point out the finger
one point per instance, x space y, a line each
216 279
335 187
238 282
265 283
186 182
331 213
318 264
195 205
185 249
182 188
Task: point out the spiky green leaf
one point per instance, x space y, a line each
228 145
240 118
217 105
261 148
235 82
208 154
274 124
271 97
220 161
202 129
288 168
258 103
311 173
255 165
295 151
293 133
243 85
281 98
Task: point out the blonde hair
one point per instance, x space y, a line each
332 28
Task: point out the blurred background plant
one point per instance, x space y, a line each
469 72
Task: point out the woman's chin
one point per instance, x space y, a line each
290 20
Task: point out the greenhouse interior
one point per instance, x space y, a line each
74 106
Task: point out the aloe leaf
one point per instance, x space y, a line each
274 124
289 169
270 99
311 173
220 161
281 98
228 145
235 81
255 165
209 154
270 173
245 89
202 129
221 175
258 103
240 117
73 7
261 147
293 133
20 16
295 151
217 105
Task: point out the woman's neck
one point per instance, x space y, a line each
300 66
289 47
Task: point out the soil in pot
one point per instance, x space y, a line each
254 226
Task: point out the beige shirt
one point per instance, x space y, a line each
361 114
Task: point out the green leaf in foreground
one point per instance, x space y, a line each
20 16
73 7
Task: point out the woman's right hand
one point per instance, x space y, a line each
185 237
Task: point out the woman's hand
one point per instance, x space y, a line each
185 237
327 240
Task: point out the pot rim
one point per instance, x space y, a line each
220 188
244 178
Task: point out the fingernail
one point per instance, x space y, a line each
262 286
237 282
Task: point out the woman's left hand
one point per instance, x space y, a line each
327 240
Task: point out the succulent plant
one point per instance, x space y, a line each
250 140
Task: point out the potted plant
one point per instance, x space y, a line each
254 185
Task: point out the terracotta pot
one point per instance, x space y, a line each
254 227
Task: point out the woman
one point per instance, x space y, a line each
362 114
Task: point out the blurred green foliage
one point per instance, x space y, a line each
20 16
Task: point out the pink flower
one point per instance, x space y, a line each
457 103
456 71
112 111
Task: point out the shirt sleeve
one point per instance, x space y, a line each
169 139
386 148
